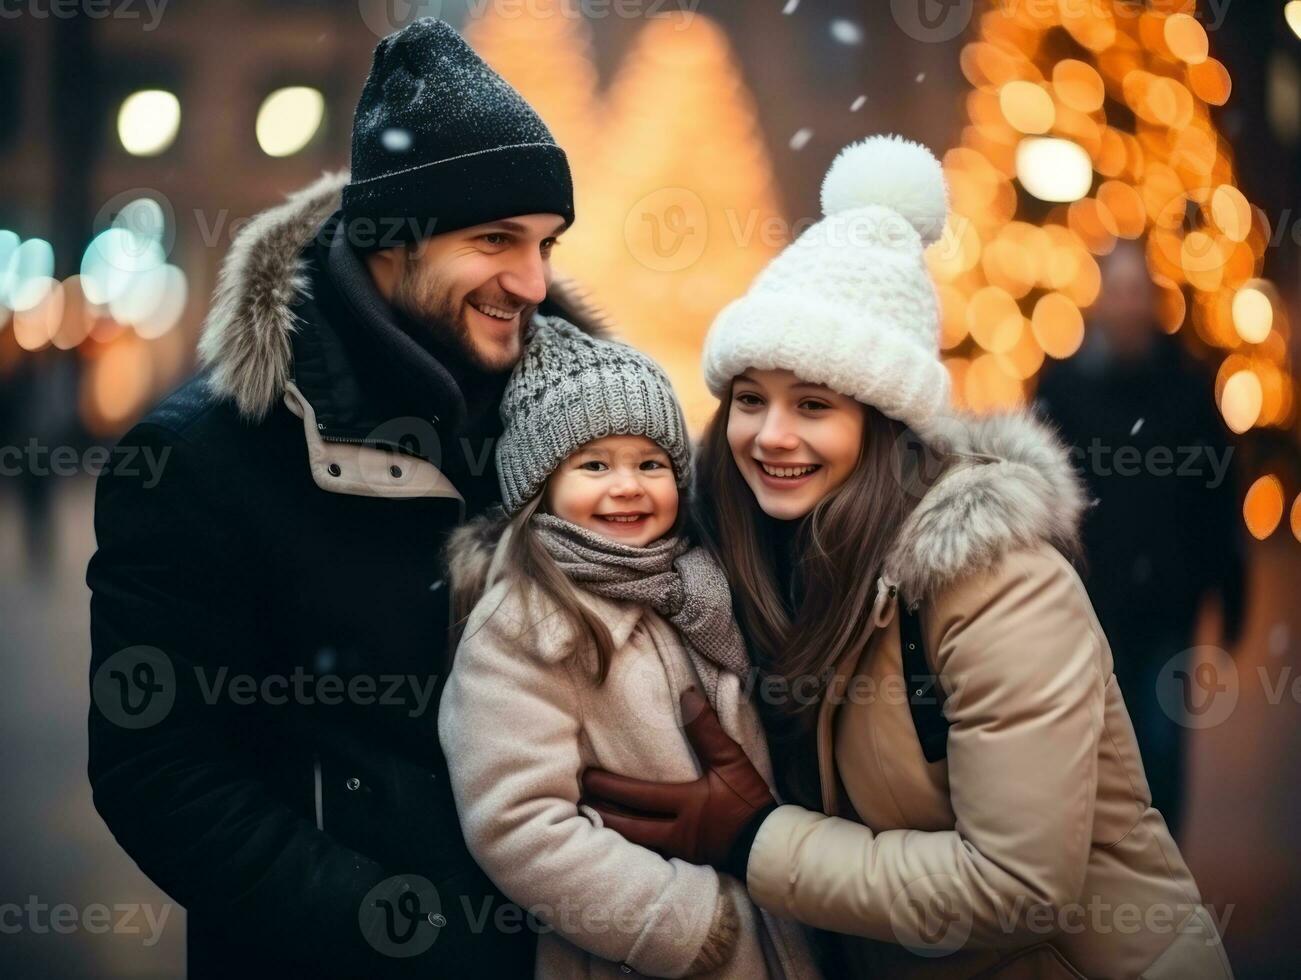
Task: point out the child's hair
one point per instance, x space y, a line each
527 563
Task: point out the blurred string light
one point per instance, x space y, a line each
1088 123
1053 169
288 119
124 285
148 121
1292 13
1262 507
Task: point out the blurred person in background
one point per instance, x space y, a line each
38 415
356 350
1163 537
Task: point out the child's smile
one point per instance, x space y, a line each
622 487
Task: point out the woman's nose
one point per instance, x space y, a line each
776 433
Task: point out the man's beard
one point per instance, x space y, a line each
418 297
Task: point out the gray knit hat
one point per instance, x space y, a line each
570 388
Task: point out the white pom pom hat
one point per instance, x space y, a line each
850 303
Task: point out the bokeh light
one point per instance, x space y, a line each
1262 508
289 118
1054 169
148 121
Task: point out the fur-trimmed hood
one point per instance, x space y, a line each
245 343
1012 486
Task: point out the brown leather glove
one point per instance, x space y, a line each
698 821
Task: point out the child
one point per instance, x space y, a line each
597 615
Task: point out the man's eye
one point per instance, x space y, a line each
548 244
494 238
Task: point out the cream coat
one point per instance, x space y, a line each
521 718
1032 850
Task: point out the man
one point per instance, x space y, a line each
269 617
1165 534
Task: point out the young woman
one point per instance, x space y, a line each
888 558
591 615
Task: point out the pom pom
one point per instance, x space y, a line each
891 172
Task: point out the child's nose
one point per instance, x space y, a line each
627 485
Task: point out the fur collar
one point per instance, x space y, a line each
245 343
1013 487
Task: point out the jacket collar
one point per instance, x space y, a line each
246 344
1012 487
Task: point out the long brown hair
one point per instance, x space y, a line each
531 569
836 555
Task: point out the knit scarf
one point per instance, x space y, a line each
681 583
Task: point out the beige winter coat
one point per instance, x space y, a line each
1032 850
521 718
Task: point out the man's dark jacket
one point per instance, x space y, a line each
269 627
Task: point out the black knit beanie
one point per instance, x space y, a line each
440 141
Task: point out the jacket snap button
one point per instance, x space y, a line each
395 471
624 968
333 469
912 646
353 783
436 919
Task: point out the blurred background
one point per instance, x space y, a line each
1124 252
